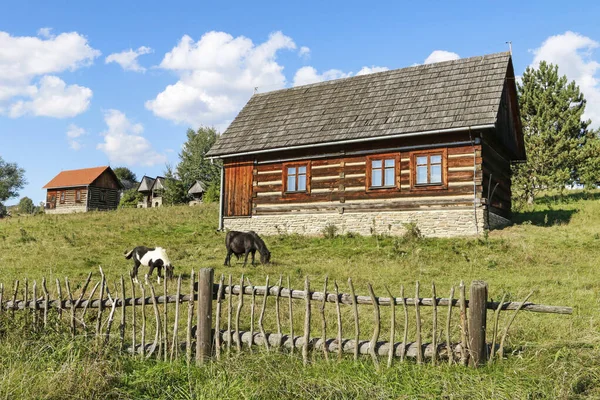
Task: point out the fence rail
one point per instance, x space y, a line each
201 339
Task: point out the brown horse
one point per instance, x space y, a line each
239 243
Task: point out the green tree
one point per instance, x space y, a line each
12 178
193 163
175 191
124 173
130 198
26 206
557 139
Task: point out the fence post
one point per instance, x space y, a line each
477 323
204 316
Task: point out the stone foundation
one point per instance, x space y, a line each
432 223
65 209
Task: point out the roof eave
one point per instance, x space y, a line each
350 141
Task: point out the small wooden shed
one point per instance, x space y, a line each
82 190
196 192
430 145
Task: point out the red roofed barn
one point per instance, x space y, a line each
82 190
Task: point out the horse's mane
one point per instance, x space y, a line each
262 247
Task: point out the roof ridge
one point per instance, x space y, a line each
417 66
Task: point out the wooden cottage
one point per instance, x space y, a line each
430 145
82 190
196 192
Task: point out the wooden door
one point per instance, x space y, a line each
238 188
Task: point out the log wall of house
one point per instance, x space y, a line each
496 166
70 203
340 184
111 198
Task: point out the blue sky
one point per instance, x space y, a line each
176 65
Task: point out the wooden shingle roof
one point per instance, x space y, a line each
447 95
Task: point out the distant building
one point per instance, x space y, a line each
82 190
152 189
196 192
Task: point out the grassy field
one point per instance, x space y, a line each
553 249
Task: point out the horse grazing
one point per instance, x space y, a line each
239 243
150 257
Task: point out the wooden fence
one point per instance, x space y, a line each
213 339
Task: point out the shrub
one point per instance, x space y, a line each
329 231
130 198
412 232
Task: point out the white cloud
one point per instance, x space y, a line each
124 143
308 75
45 32
217 74
128 59
53 98
574 55
371 70
441 55
73 134
28 85
304 52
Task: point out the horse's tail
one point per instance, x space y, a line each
128 254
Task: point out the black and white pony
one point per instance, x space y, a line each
150 257
239 243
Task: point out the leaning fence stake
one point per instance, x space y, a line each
501 350
133 305
339 320
86 305
405 337
237 315
14 299
157 340
46 301
35 306
70 296
278 320
324 330
143 348
26 301
188 344
175 344
448 320
434 343
252 308
101 305
356 325
218 318
291 316
262 315
229 313
392 327
165 339
80 298
464 332
60 299
122 324
418 315
377 328
306 322
495 334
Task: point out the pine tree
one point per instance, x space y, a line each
557 139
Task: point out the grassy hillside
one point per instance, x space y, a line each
554 249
